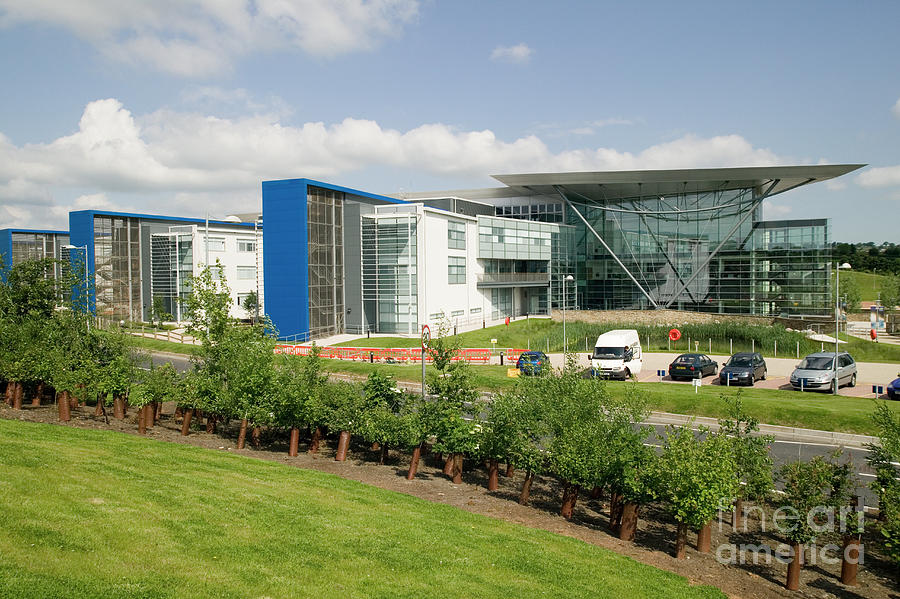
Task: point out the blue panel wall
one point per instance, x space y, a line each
81 233
286 264
5 252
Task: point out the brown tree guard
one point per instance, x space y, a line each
242 435
147 411
510 470
98 409
295 442
737 518
681 540
525 494
254 437
570 497
18 396
615 511
384 454
8 398
179 413
62 405
493 475
850 560
793 572
628 527
186 422
457 468
704 538
142 420
157 411
118 407
448 465
414 462
38 394
210 423
343 446
315 440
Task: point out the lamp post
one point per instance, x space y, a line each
565 301
87 308
837 321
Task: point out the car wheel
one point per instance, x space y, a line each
853 380
715 370
752 379
763 377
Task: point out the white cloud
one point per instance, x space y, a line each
200 37
774 210
896 109
882 176
187 162
520 53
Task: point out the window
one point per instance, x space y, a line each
246 273
215 244
246 245
241 298
457 313
475 311
456 235
436 316
456 270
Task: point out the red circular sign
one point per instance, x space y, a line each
674 334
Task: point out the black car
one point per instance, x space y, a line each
743 368
692 366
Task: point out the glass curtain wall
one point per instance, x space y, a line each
117 256
325 225
36 246
171 269
389 274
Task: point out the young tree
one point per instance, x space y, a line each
247 357
157 385
251 306
380 421
344 406
882 458
158 311
697 478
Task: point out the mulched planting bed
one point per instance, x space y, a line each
654 541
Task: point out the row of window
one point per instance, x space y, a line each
217 244
436 316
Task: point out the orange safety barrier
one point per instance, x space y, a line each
402 355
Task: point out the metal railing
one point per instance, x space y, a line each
514 277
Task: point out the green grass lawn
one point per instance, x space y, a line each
102 514
868 283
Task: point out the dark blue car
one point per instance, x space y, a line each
532 362
893 390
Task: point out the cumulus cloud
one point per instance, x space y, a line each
201 37
191 160
775 210
883 176
520 53
896 109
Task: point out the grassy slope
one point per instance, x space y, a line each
867 282
100 514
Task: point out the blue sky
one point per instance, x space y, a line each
183 107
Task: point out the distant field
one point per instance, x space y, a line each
868 283
87 513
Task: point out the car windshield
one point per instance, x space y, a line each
686 360
816 363
740 361
609 353
527 356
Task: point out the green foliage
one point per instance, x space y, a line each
30 289
156 385
751 450
158 312
697 474
207 307
251 305
344 406
882 458
300 399
890 293
247 364
807 485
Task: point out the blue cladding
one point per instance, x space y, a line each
81 233
286 264
5 252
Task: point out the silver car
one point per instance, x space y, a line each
816 371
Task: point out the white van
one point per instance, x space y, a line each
617 355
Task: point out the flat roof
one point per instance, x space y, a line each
186 219
44 231
365 195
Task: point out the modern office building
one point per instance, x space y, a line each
18 245
136 258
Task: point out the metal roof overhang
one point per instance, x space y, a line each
609 185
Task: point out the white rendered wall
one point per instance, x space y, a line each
230 259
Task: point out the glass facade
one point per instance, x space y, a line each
171 269
36 246
389 281
117 256
325 236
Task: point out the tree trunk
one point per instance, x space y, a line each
615 511
704 538
457 468
629 521
142 420
118 407
62 404
510 470
343 446
448 465
211 423
525 495
242 435
38 395
254 437
98 409
850 560
737 519
376 446
186 422
597 492
10 391
570 497
414 462
295 441
793 572
157 411
680 540
179 413
19 396
384 454
316 439
493 475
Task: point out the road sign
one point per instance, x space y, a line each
426 336
493 341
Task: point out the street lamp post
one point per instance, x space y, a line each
565 301
87 308
837 322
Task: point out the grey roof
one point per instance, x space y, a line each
605 185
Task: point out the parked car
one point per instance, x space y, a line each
893 390
743 368
532 362
817 371
692 366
